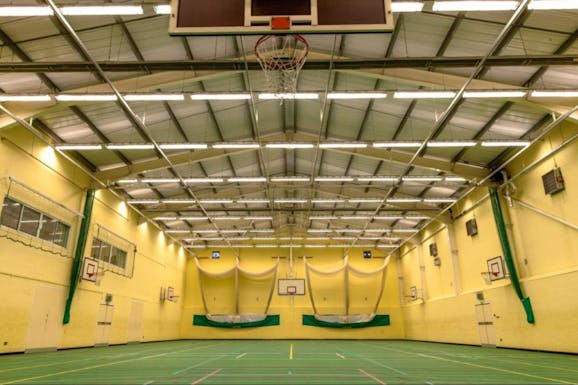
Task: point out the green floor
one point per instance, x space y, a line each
289 362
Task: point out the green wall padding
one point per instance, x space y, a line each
270 320
378 320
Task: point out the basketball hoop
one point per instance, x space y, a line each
281 57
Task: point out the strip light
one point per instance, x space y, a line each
85 97
406 6
505 143
253 201
238 96
25 98
342 145
77 147
247 179
396 144
235 145
555 94
203 180
552 4
290 146
215 201
378 179
162 9
424 95
422 178
178 201
495 94
294 96
102 10
26 11
485 5
357 95
291 179
465 143
329 200
334 179
183 146
144 146
153 97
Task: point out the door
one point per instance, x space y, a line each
485 318
135 317
103 323
45 326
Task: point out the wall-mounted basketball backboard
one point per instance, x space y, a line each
262 17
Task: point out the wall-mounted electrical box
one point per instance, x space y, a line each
553 181
472 227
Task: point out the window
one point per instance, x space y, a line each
108 253
18 216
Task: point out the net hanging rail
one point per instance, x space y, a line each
281 57
346 319
238 319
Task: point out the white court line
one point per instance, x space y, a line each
340 356
197 365
199 380
241 355
148 383
372 377
385 366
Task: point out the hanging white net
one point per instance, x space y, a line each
236 294
345 294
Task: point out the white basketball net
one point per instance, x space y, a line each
281 57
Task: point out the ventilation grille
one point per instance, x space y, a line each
553 181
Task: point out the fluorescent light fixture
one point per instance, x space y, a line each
153 97
319 230
348 230
404 230
290 179
328 200
422 178
258 218
195 246
356 95
485 5
247 179
406 6
253 201
355 217
127 181
183 146
86 97
495 94
314 246
204 231
264 246
289 146
77 147
215 201
235 145
396 144
227 218
417 217
378 179
26 11
176 231
160 180
463 143
555 94
440 200
377 231
290 201
342 145
143 201
102 10
388 217
178 201
232 231
424 95
130 146
553 4
162 9
334 179
184 218
505 143
322 217
298 95
403 200
262 231
203 180
365 200
370 238
233 96
25 98
263 238
455 179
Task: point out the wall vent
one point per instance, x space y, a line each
553 181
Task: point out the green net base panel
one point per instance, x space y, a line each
377 320
202 320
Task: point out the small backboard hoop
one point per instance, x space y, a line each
291 287
90 270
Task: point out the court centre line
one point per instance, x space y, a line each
494 368
384 366
198 381
340 356
372 377
241 355
102 365
291 352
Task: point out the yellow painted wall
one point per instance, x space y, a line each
545 253
27 264
329 297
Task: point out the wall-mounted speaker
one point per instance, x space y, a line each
433 249
472 227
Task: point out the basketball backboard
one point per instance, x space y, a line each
247 17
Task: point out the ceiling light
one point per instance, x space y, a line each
440 200
204 231
356 95
26 11
262 246
404 230
553 4
377 230
25 98
263 238
424 95
485 5
355 217
322 217
162 9
319 230
289 145
247 179
334 179
388 217
232 231
348 230
160 180
258 218
421 178
299 95
169 231
406 6
77 147
403 200
238 96
263 231
203 180
464 143
153 97
215 201
365 200
235 145
378 179
253 201
227 218
290 201
195 246
495 94
102 10
290 179
127 181
329 200
455 179
183 146
130 146
196 218
143 201
342 145
178 201
505 143
86 97
555 94
396 144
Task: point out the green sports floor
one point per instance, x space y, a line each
289 362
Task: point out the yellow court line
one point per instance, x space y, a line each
291 352
99 366
494 368
199 380
372 377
